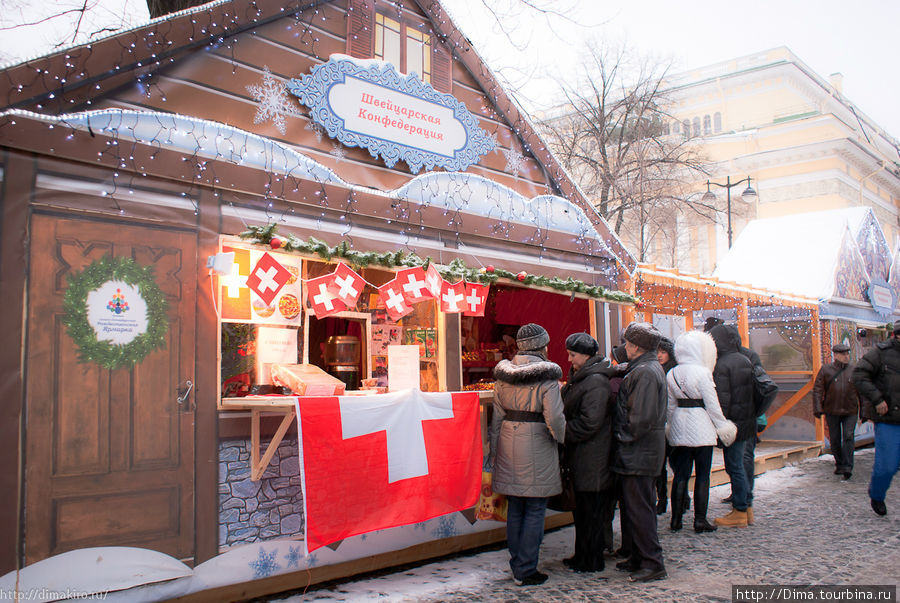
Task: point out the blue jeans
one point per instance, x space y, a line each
750 467
737 471
524 533
887 459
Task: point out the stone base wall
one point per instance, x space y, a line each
257 511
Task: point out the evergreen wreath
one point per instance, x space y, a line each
454 271
75 312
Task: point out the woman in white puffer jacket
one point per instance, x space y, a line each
694 422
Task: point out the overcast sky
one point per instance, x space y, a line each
857 39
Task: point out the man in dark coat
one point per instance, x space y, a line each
733 376
877 379
588 448
835 396
639 426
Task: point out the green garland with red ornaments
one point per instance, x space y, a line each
455 271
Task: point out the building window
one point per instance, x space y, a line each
676 128
707 125
403 46
717 122
686 125
696 126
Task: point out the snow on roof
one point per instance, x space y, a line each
796 254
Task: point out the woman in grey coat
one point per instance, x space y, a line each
527 426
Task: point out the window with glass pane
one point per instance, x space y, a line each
418 59
387 41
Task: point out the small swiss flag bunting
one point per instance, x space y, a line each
347 285
320 297
392 296
414 285
452 297
434 281
267 278
476 296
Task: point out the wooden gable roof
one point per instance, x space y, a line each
204 62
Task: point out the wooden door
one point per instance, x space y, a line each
109 453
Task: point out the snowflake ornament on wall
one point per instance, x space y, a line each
514 161
274 102
265 565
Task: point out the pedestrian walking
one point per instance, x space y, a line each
834 396
588 446
666 356
733 376
694 422
526 427
877 379
640 443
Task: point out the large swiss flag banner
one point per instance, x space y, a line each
381 461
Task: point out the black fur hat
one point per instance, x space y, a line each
582 343
644 335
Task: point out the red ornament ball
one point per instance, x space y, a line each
521 276
276 243
489 268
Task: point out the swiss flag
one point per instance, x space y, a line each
434 280
346 285
392 296
381 461
267 278
235 294
476 296
320 297
452 297
415 287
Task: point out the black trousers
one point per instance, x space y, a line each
639 521
593 512
840 432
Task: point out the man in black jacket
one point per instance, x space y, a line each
639 427
877 379
733 376
835 397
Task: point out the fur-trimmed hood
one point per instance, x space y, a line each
525 368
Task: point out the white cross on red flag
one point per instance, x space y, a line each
392 296
452 297
381 461
267 278
476 296
347 285
434 281
415 287
320 297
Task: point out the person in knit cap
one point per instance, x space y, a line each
588 449
527 426
877 380
666 356
639 425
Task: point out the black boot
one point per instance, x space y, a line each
678 489
701 505
662 483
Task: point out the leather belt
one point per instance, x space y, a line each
524 416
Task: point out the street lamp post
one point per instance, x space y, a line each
748 196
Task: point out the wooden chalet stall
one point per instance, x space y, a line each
140 409
781 328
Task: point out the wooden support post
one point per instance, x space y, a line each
743 321
689 320
257 465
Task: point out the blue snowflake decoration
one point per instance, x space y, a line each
265 565
369 105
446 526
312 560
293 556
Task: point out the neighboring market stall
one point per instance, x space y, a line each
840 258
782 328
210 214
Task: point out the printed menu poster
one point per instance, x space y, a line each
274 345
238 303
403 367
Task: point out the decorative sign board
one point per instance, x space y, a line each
368 104
881 296
252 274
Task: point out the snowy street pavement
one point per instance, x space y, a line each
810 528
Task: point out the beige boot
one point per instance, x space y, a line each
749 516
735 519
